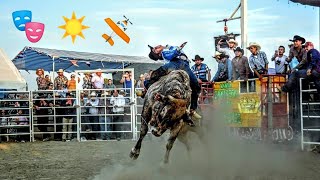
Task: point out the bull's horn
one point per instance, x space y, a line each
180 102
171 98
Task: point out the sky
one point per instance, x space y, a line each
270 23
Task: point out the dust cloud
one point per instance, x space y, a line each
217 156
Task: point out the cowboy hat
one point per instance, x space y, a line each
217 54
239 49
38 70
93 93
60 70
196 57
233 41
106 93
299 38
255 45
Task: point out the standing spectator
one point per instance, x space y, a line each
93 102
228 51
224 72
47 77
50 86
58 111
281 64
41 107
3 123
60 80
72 83
258 61
140 83
298 52
87 84
104 117
126 81
240 66
200 69
23 121
97 80
41 81
118 102
70 113
110 85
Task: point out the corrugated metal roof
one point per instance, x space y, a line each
32 58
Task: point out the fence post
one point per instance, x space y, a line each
270 108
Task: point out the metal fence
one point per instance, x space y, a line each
15 116
95 114
310 114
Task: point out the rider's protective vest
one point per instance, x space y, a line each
171 52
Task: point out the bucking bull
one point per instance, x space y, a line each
165 106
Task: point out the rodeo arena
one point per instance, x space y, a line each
103 116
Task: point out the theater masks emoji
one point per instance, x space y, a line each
34 31
20 18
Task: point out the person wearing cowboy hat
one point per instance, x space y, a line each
297 51
224 72
258 61
230 50
240 66
179 61
60 80
200 69
312 72
41 80
93 102
217 56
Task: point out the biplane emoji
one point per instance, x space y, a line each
118 29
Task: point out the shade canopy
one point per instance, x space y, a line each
10 76
33 58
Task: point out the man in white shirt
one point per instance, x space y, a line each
281 64
118 102
229 50
98 80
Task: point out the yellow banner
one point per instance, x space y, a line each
244 100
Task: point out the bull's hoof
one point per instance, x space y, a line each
134 154
155 133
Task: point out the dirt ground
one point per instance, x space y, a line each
110 160
216 156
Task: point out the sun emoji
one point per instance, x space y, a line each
73 27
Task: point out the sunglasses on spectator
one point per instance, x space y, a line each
72 77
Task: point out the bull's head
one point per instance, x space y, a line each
174 108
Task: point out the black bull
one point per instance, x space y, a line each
165 105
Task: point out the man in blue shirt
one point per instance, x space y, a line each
224 72
175 60
200 69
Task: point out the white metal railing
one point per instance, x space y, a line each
47 120
307 117
15 116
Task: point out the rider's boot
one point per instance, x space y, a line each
194 115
